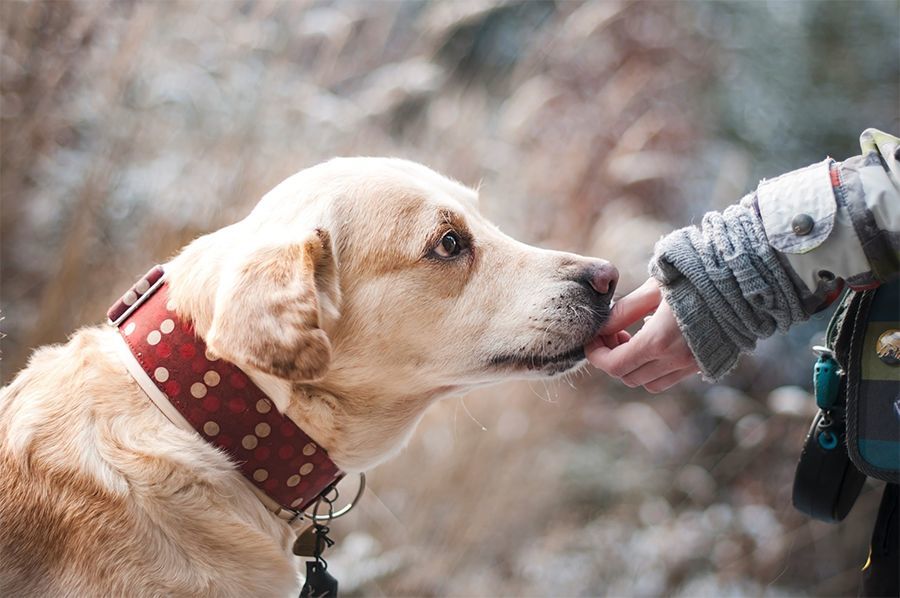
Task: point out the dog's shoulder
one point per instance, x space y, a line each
52 506
64 387
98 489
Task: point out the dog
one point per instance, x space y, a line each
354 295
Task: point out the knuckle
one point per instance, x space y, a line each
617 370
656 345
599 362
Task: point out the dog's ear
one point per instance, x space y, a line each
268 310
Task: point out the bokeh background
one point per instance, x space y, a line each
128 128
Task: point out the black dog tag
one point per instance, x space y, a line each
307 543
319 582
826 483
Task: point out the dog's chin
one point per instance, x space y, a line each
544 365
541 365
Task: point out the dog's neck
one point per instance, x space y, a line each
342 420
193 279
358 431
349 438
197 391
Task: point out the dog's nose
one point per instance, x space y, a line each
602 277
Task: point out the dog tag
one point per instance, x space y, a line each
305 544
319 582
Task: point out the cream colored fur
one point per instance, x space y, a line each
329 295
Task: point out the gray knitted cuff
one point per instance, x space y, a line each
726 287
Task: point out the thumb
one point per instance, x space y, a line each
633 306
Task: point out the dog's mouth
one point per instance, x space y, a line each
578 328
545 364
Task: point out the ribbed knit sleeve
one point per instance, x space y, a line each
726 286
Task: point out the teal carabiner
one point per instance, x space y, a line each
826 378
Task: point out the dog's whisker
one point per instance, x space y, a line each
455 421
550 399
535 393
469 413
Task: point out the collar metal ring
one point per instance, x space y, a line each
314 516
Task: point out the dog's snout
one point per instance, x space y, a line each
602 277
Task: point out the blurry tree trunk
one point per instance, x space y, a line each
62 288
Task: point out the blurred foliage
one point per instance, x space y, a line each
127 128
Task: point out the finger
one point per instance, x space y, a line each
669 380
610 340
597 353
649 372
614 340
619 361
633 306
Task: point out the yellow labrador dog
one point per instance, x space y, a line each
355 294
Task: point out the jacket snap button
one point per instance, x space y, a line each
802 224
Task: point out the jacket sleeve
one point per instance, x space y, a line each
837 222
783 253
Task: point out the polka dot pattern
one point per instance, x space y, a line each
211 378
136 292
221 402
142 286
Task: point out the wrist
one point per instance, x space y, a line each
715 353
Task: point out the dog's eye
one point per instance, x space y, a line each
450 245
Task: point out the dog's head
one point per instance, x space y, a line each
373 286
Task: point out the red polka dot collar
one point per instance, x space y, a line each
219 401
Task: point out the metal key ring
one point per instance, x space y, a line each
314 516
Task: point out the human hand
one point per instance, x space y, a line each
657 357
